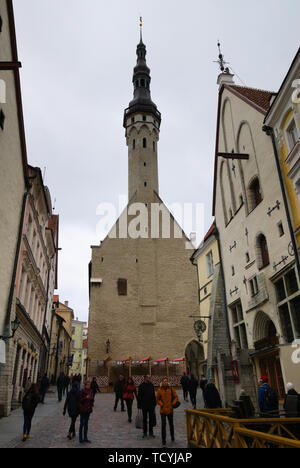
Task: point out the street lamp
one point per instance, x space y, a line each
14 326
107 346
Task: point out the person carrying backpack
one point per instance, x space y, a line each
267 397
29 404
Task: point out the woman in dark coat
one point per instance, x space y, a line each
193 385
72 406
29 404
95 387
86 401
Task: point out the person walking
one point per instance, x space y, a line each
95 387
129 392
60 385
147 403
66 384
166 398
29 404
73 407
267 397
184 382
193 385
119 391
44 387
211 396
86 403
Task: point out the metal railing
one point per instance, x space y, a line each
218 429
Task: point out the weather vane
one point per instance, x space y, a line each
221 61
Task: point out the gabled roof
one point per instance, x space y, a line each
257 98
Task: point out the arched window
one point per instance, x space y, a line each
255 196
264 259
144 142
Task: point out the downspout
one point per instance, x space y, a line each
270 132
6 327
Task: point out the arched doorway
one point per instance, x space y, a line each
266 344
194 355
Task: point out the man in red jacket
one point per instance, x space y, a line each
86 403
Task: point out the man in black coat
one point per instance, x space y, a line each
184 382
119 391
147 402
72 406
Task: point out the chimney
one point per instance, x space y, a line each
67 303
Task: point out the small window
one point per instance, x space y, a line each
1 22
143 82
133 144
247 257
132 119
209 264
145 164
122 287
292 134
154 146
255 194
144 118
232 271
281 230
2 119
144 142
145 184
253 286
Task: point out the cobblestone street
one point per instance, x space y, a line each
107 429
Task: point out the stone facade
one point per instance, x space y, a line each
143 287
254 235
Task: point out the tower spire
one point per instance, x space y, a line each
141 29
225 77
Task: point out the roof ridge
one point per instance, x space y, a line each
255 89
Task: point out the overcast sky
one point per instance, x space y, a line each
78 58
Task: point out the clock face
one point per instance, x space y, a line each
200 326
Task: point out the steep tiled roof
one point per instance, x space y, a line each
258 97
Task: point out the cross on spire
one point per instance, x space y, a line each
141 28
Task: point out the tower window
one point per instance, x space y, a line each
143 82
281 230
132 119
144 142
133 144
145 164
154 146
1 24
145 184
144 118
2 119
122 287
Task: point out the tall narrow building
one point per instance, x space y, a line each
143 287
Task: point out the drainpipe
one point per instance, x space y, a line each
6 327
270 132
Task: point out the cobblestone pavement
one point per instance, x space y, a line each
107 429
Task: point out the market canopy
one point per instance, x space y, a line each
178 359
126 360
149 358
162 359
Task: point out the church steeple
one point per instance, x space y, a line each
142 123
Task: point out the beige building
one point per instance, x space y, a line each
60 340
143 287
259 267
13 184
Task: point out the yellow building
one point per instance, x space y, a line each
283 120
61 337
77 348
211 325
